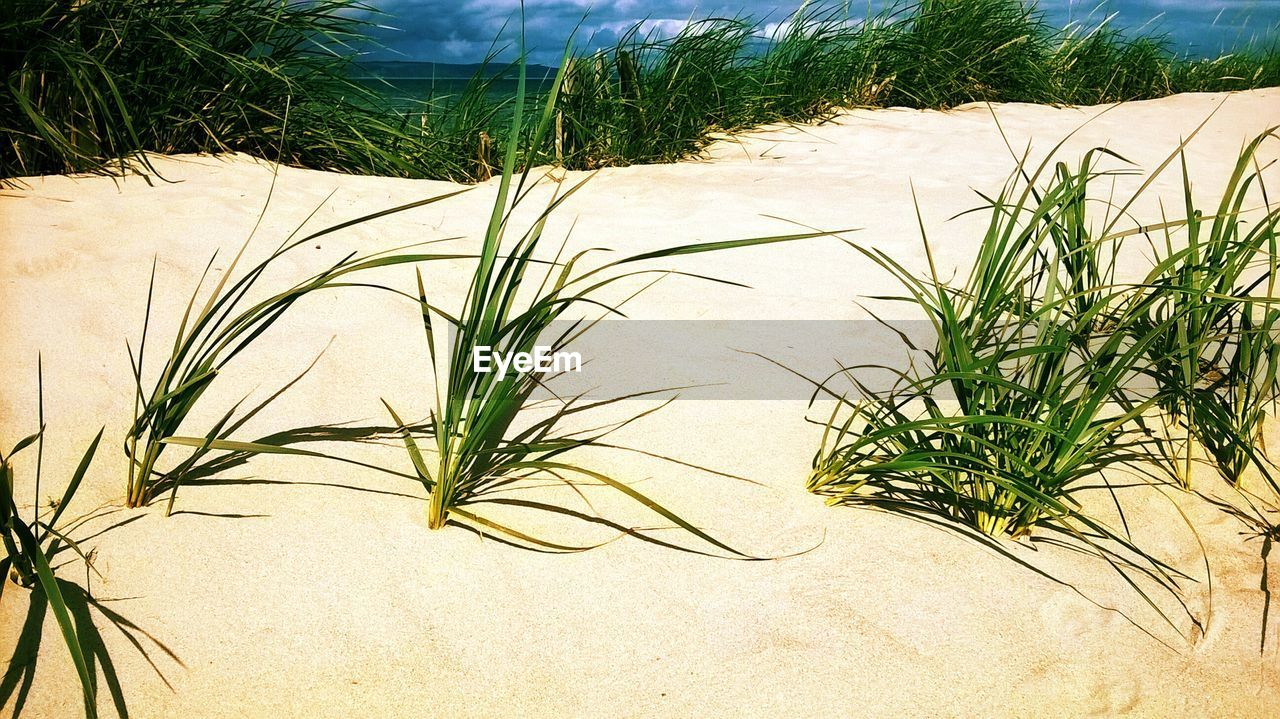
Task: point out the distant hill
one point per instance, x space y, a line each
408 70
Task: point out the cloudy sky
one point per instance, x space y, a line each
464 30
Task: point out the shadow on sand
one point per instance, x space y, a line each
20 674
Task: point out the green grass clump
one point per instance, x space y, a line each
818 61
949 52
1257 65
1035 381
1216 361
651 100
210 337
99 81
1047 369
1103 65
475 424
28 546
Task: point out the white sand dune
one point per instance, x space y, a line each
301 588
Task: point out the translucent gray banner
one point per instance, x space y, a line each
722 359
747 359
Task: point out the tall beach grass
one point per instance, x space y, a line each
29 545
1049 376
1216 360
94 84
212 333
1023 396
654 98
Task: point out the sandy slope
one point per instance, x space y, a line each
305 589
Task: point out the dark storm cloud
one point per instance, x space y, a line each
465 30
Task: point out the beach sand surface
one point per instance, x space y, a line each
296 587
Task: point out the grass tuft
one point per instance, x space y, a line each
1047 369
1019 352
481 447
1215 361
210 337
93 84
29 545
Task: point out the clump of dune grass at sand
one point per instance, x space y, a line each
653 101
1019 353
945 53
30 544
211 335
1033 390
479 447
100 81
1216 359
1047 370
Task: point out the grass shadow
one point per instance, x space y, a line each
1258 524
207 473
20 673
1008 550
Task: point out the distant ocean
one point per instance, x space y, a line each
408 84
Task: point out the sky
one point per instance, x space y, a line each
463 31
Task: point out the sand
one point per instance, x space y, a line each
301 588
